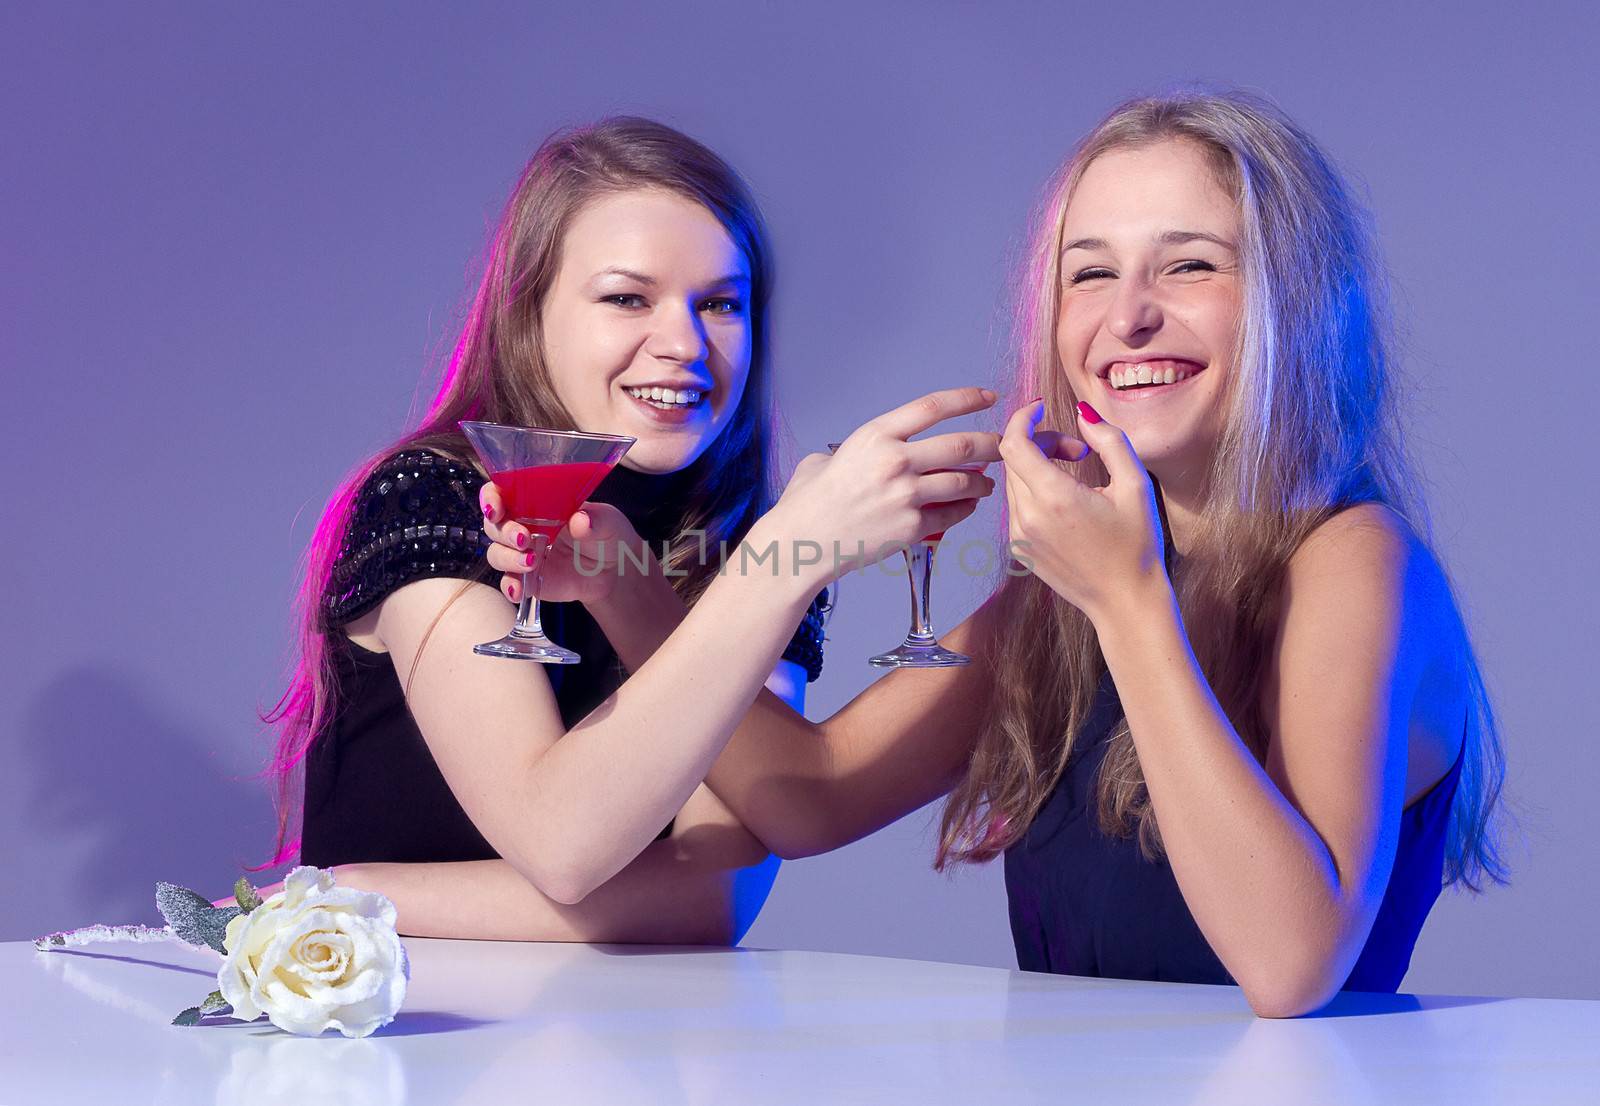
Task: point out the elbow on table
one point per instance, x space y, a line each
566 884
1288 992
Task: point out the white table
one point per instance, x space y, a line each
526 1023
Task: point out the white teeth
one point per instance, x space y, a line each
1143 374
666 398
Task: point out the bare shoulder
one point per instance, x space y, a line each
1370 529
1366 602
1369 552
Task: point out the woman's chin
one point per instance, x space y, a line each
657 458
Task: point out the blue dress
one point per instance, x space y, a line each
1085 904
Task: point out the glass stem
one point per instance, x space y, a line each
919 565
528 610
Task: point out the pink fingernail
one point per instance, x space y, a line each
1088 414
522 541
528 560
488 511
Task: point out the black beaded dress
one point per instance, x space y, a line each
373 791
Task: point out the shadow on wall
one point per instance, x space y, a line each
125 794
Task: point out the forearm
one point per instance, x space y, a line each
659 898
640 754
772 767
777 776
1261 884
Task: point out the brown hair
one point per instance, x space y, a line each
497 373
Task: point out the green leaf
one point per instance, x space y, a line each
213 1003
179 905
245 895
211 927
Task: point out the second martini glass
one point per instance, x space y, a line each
543 477
921 648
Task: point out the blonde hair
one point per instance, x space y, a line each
1309 429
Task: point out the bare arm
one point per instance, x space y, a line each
1284 866
493 726
687 889
805 788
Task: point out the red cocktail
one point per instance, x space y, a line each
544 476
543 497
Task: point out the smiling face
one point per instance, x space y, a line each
647 328
1151 291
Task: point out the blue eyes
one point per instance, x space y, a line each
1083 275
719 306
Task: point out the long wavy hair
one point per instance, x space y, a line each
1310 428
497 372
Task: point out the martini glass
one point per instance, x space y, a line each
921 648
543 477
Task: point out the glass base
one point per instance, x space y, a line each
527 647
911 654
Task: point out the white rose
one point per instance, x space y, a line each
315 957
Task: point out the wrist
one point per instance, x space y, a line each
1146 601
796 569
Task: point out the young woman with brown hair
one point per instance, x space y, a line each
625 293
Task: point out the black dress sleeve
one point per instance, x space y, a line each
805 648
415 517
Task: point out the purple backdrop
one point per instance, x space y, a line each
233 240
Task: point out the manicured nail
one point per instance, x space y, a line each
488 511
1088 414
528 560
1036 399
522 541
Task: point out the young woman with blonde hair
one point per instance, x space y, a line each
1230 727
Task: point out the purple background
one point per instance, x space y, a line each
234 240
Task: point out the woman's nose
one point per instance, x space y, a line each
679 336
1135 312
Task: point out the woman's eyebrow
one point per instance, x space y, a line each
1181 237
1085 244
616 270
736 280
1165 238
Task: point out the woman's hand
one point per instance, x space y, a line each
584 564
880 493
1093 546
